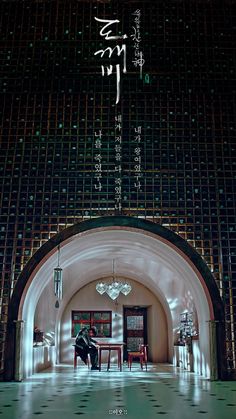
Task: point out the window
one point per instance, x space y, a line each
100 319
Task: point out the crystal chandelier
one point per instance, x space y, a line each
113 288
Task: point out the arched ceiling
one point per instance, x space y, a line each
138 255
143 251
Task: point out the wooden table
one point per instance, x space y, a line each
105 346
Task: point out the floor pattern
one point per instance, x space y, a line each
162 391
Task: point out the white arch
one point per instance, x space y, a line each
145 257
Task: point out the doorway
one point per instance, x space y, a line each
135 329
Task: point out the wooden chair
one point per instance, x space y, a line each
141 355
76 356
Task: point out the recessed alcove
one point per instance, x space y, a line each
163 279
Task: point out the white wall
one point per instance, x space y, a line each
43 357
46 313
88 299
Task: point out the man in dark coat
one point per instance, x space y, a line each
85 344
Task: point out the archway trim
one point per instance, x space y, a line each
105 223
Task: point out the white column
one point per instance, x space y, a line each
213 350
18 350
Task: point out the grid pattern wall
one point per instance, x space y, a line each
54 99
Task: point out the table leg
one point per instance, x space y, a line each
109 359
119 357
99 358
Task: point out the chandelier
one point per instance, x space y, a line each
114 288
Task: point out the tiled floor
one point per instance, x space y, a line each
63 393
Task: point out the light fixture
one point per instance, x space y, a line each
57 278
113 288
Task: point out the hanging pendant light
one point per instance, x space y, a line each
113 288
101 287
126 288
58 278
113 291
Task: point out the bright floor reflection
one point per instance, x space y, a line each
63 393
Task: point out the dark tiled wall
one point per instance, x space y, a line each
54 99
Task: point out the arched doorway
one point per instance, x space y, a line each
147 253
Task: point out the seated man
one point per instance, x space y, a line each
84 345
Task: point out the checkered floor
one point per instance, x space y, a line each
63 393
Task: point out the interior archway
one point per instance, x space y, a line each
146 253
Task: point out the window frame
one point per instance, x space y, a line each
92 321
